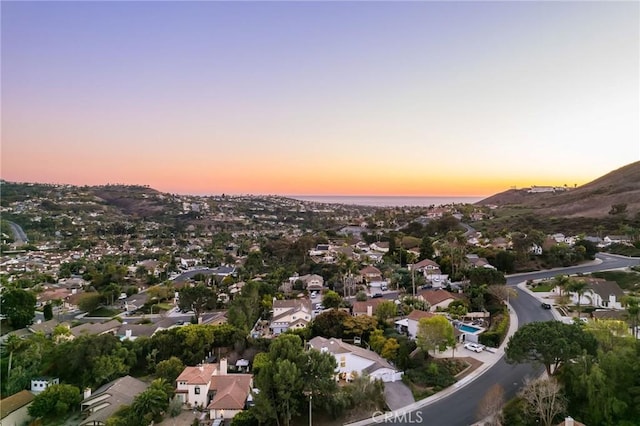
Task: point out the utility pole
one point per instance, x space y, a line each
413 280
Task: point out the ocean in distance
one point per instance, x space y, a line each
386 201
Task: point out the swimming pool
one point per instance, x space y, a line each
469 329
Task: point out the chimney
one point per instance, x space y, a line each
569 421
200 367
87 393
127 333
370 310
223 367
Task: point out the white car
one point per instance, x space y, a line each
474 347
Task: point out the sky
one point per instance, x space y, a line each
417 98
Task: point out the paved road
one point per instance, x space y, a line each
460 407
19 235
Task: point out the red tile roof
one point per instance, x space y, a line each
232 391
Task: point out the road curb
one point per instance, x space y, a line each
402 412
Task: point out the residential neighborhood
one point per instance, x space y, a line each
133 306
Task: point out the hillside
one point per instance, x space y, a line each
137 201
594 199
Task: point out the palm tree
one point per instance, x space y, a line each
562 282
14 344
150 403
579 287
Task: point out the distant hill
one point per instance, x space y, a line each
594 199
134 200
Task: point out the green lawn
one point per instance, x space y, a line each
543 287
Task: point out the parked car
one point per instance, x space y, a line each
546 306
474 347
376 295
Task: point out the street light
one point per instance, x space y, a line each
310 395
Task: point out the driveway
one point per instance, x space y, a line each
397 395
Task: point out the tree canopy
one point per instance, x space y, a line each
550 343
19 306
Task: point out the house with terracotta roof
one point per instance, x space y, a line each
14 408
367 307
436 298
289 314
98 406
353 360
210 386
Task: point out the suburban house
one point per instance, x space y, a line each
210 386
96 328
616 239
45 327
39 384
380 246
319 250
311 282
106 400
409 325
370 273
354 360
437 298
14 408
133 331
476 261
431 272
291 313
600 293
367 307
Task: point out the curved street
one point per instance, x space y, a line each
460 407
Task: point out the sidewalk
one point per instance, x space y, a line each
487 357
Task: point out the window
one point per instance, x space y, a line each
197 390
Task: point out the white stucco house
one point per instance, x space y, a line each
409 325
354 360
600 293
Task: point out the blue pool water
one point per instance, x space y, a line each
468 328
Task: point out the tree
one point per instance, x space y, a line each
195 299
562 282
47 311
19 306
55 400
490 276
331 299
490 407
329 323
150 404
390 349
386 309
169 369
550 343
89 302
544 399
435 333
579 287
